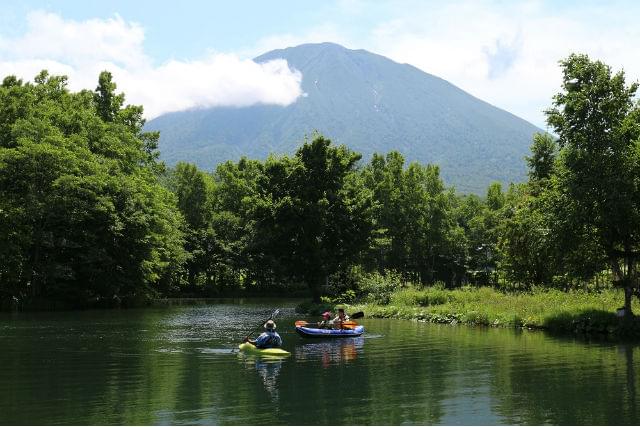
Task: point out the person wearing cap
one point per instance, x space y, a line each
326 322
341 317
269 338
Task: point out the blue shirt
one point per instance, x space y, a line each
268 339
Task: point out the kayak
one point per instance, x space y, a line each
329 333
252 349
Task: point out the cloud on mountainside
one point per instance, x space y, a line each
81 50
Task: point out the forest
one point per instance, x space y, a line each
89 216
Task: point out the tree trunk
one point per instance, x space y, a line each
192 277
629 283
314 281
33 275
623 280
628 294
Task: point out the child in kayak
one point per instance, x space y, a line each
326 322
269 338
342 317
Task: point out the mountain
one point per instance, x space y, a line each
369 103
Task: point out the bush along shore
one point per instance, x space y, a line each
577 312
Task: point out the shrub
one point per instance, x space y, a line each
314 309
345 280
411 296
347 297
377 288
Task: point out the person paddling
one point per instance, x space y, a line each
269 338
341 318
326 322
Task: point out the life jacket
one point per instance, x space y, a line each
269 339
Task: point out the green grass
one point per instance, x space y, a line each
553 310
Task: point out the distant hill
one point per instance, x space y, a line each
371 104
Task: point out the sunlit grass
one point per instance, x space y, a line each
573 311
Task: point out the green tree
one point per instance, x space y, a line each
108 103
417 233
597 120
526 244
313 214
537 237
495 197
240 262
384 177
543 155
83 216
194 190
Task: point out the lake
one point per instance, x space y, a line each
176 365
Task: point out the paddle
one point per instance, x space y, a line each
349 324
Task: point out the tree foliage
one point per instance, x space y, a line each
312 212
83 216
87 213
417 232
597 120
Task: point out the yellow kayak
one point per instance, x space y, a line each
252 349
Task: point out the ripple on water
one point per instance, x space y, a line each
169 350
224 351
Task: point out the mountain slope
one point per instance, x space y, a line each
369 103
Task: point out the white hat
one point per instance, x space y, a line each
270 325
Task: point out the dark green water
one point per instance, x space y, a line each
174 366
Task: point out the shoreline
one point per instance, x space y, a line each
576 313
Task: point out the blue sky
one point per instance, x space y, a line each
187 29
504 52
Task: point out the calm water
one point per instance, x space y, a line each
175 366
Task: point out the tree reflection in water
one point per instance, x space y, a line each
631 378
330 351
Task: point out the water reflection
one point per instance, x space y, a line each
175 366
268 369
330 351
631 378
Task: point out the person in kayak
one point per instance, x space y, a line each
269 338
342 317
326 322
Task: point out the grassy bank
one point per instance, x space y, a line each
574 312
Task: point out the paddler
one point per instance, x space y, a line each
326 322
342 317
269 338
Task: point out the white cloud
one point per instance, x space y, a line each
222 80
50 36
505 53
82 49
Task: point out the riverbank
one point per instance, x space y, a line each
573 312
147 300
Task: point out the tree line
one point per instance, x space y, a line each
88 214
